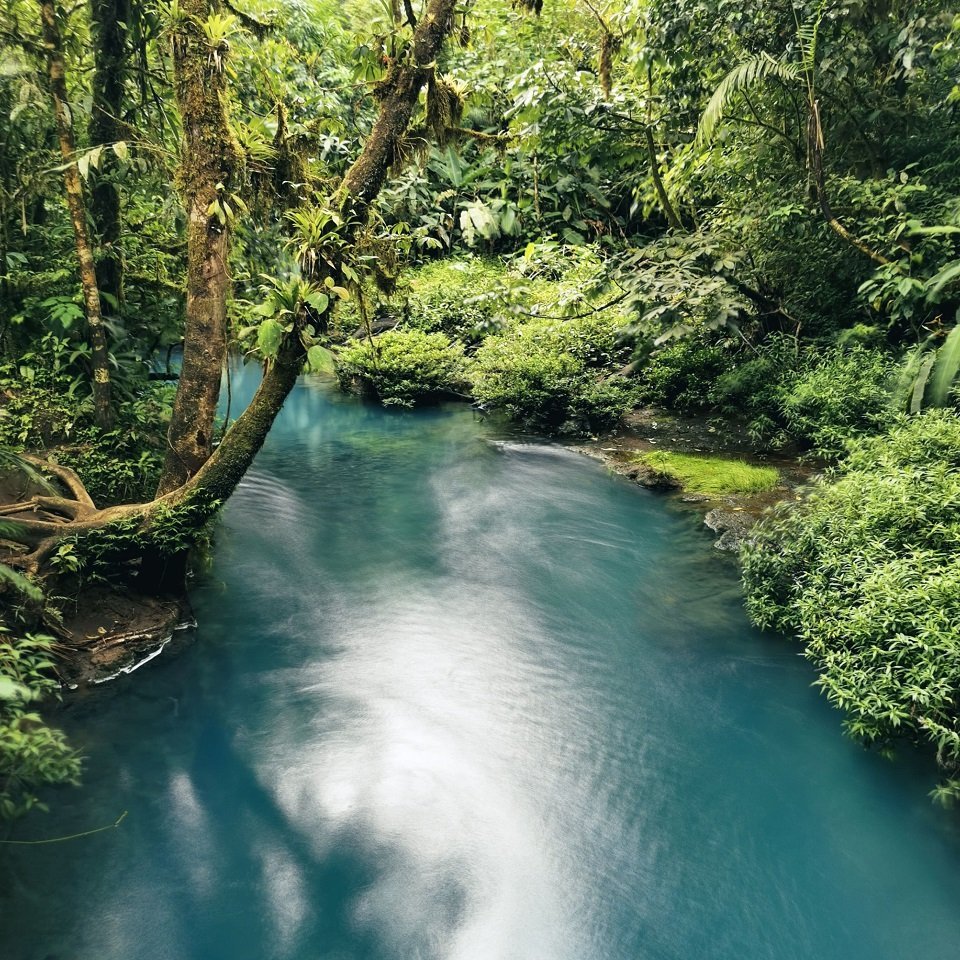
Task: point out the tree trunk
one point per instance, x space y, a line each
100 361
672 218
398 94
219 476
109 19
209 158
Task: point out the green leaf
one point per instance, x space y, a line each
931 231
319 301
946 276
947 366
269 336
919 388
11 690
320 359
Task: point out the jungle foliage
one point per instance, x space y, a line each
741 210
865 572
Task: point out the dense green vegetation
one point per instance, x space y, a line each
562 210
866 572
31 753
402 367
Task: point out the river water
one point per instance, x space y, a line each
456 696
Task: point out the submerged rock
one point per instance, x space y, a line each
732 525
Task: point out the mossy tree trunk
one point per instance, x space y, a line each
100 361
214 480
209 159
398 94
109 20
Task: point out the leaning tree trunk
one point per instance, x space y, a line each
398 95
209 158
216 479
109 20
100 360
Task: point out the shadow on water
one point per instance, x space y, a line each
457 696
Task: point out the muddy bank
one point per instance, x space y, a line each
730 516
102 630
111 632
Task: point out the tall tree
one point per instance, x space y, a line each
109 19
214 481
56 69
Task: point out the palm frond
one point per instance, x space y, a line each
946 369
807 35
740 78
920 386
945 276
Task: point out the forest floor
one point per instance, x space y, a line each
731 516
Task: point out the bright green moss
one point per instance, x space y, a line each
716 476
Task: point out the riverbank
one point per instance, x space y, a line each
731 515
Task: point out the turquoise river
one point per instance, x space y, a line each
460 695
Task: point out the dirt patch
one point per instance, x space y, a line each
111 631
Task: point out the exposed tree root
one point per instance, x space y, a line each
41 522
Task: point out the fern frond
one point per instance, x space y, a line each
740 78
807 34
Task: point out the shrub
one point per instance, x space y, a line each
554 374
843 395
815 399
681 375
31 753
403 367
751 384
458 297
866 571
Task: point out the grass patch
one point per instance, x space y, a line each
715 476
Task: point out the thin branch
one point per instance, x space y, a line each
573 316
768 126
